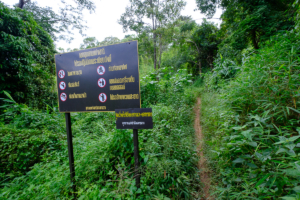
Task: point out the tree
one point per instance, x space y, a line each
22 3
109 41
160 12
203 41
26 58
59 24
253 21
89 42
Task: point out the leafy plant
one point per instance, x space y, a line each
26 64
21 149
256 118
104 158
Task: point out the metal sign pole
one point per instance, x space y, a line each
136 157
70 152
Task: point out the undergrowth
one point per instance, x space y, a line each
104 160
251 123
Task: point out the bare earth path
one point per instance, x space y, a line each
202 165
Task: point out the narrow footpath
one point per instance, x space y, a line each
202 165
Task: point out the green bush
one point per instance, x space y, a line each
166 86
22 148
25 136
21 116
104 160
27 61
169 148
252 125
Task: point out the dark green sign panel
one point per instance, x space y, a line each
134 118
99 79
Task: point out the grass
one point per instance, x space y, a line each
251 124
104 160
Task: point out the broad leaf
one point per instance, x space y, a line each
238 160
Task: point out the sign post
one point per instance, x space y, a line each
100 79
136 158
135 118
70 151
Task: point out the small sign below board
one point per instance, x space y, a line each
134 118
100 79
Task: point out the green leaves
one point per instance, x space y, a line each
247 134
252 120
247 23
289 198
104 159
262 180
253 144
21 149
284 140
238 160
9 96
27 64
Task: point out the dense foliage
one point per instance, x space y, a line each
256 117
251 21
246 72
26 58
104 156
21 149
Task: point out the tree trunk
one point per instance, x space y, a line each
154 41
21 4
160 51
200 67
188 68
254 39
154 34
210 60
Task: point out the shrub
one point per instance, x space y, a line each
104 160
252 125
26 59
22 148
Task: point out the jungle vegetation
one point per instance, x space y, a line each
245 70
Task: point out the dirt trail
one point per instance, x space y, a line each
202 165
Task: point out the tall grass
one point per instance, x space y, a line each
252 128
104 160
